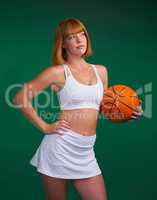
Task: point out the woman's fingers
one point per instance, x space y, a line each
138 111
64 126
136 114
139 108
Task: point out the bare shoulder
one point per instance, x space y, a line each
101 68
49 76
53 70
103 72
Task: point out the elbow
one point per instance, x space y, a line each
23 96
21 100
17 100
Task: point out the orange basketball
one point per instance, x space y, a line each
118 103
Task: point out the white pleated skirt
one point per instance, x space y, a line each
68 156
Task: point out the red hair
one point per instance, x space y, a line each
65 28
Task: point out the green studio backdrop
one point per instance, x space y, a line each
123 40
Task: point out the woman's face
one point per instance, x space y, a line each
75 44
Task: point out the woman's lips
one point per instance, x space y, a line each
80 47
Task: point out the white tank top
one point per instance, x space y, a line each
76 95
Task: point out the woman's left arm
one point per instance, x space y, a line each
103 73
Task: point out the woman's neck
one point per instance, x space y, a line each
77 62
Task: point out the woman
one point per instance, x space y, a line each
66 151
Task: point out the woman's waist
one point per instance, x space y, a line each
86 129
79 114
83 122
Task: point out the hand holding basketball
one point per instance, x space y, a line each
120 103
136 114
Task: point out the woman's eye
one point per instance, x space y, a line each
71 37
83 33
74 36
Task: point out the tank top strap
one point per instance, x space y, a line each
66 70
96 72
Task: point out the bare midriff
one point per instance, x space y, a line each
82 121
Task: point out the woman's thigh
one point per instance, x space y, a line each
92 188
54 188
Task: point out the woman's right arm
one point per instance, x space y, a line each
23 98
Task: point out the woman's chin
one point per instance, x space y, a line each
80 54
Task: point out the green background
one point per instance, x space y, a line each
123 38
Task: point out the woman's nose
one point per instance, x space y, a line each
78 38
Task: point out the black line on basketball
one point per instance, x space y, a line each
127 105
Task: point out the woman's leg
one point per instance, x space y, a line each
92 188
55 188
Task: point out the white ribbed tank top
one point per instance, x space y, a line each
76 95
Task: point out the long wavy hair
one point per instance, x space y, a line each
66 27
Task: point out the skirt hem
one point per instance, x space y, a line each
42 171
70 156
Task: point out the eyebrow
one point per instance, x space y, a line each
76 33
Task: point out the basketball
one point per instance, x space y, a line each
118 103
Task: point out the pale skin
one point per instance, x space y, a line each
56 188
